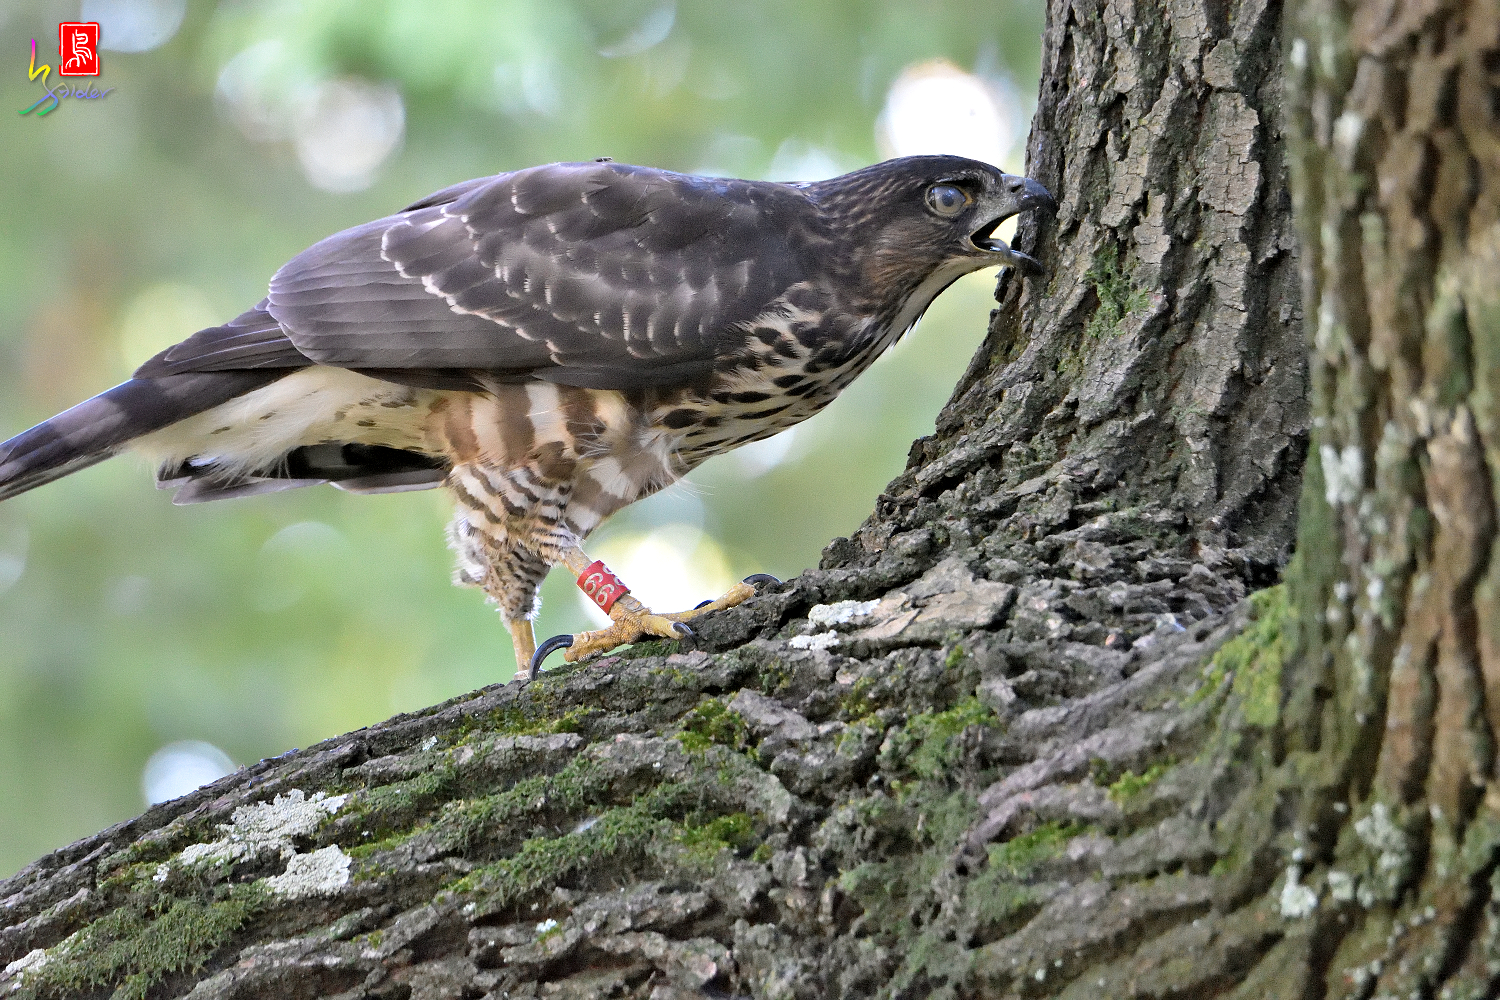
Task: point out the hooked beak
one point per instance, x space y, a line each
1017 195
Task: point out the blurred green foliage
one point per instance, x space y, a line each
269 623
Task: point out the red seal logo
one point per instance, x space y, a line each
78 48
601 586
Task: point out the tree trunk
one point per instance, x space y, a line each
1022 734
1388 741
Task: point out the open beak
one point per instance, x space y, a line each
1017 195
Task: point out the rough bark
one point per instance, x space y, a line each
1043 749
1392 716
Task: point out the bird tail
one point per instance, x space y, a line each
100 427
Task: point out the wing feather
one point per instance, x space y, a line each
594 274
254 339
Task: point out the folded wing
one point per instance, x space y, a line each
589 274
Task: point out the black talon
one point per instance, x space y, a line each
545 649
761 579
684 630
704 604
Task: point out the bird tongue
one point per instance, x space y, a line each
985 237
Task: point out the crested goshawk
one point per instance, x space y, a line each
549 345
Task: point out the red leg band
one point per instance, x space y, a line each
601 586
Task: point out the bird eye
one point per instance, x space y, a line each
947 199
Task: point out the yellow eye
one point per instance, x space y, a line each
947 200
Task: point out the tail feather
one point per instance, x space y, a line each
357 468
98 428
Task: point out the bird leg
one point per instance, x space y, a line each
630 619
523 638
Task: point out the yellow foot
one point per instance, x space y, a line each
632 621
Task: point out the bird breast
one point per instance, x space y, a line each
542 455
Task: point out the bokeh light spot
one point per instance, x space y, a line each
258 89
652 31
760 457
159 317
935 107
134 25
529 88
346 131
293 558
797 161
673 568
128 595
728 155
179 768
13 545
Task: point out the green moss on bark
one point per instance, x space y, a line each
1254 660
711 723
927 745
137 946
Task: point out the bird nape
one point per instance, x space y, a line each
549 345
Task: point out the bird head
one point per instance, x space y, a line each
917 215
